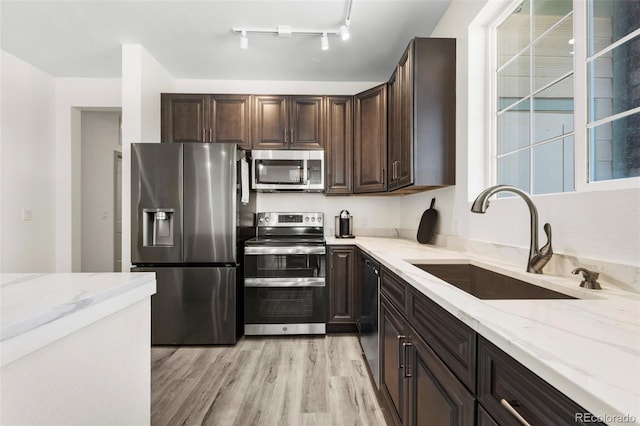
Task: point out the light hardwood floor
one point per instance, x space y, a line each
296 380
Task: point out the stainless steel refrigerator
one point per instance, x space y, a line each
188 226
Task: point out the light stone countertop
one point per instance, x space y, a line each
588 348
38 309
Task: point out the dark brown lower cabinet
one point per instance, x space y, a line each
437 371
342 289
435 396
392 335
417 386
508 390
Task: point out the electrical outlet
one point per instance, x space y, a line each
26 214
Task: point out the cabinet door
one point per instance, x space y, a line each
342 266
393 129
305 126
435 395
370 140
392 337
339 145
230 119
270 123
404 149
184 118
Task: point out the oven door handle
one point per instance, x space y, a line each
284 282
285 250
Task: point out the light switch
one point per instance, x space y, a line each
26 214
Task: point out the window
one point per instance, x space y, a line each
613 74
535 81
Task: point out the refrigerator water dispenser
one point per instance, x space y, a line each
157 227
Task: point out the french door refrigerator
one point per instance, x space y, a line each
187 226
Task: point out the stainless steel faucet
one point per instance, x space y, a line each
538 258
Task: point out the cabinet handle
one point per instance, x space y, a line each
210 135
382 176
400 353
204 135
513 412
407 371
285 135
291 138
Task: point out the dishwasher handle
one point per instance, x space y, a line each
371 265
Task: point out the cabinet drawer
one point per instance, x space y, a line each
394 288
453 341
500 377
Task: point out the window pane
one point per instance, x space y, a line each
513 128
514 33
547 12
553 56
514 81
553 111
513 170
610 20
614 149
615 81
553 166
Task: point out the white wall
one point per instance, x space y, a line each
596 224
143 79
100 134
72 96
27 153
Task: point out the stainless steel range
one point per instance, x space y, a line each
284 284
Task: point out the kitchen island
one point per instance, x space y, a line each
75 348
588 348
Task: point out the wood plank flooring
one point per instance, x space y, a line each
288 380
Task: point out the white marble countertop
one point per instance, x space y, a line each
38 309
588 348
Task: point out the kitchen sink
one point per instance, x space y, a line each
485 284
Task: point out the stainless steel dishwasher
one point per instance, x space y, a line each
369 313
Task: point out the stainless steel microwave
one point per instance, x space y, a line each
288 170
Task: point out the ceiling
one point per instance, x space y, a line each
193 39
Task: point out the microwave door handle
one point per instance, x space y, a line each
305 173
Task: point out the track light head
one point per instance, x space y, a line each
324 42
244 41
344 32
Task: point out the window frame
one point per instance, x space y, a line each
582 181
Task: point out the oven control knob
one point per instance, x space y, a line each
319 219
306 219
267 219
313 219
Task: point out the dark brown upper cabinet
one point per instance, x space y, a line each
206 118
288 122
338 147
370 140
422 109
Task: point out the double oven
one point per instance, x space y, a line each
285 267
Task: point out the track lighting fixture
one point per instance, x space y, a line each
344 33
287 31
244 41
324 42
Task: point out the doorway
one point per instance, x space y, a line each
100 191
